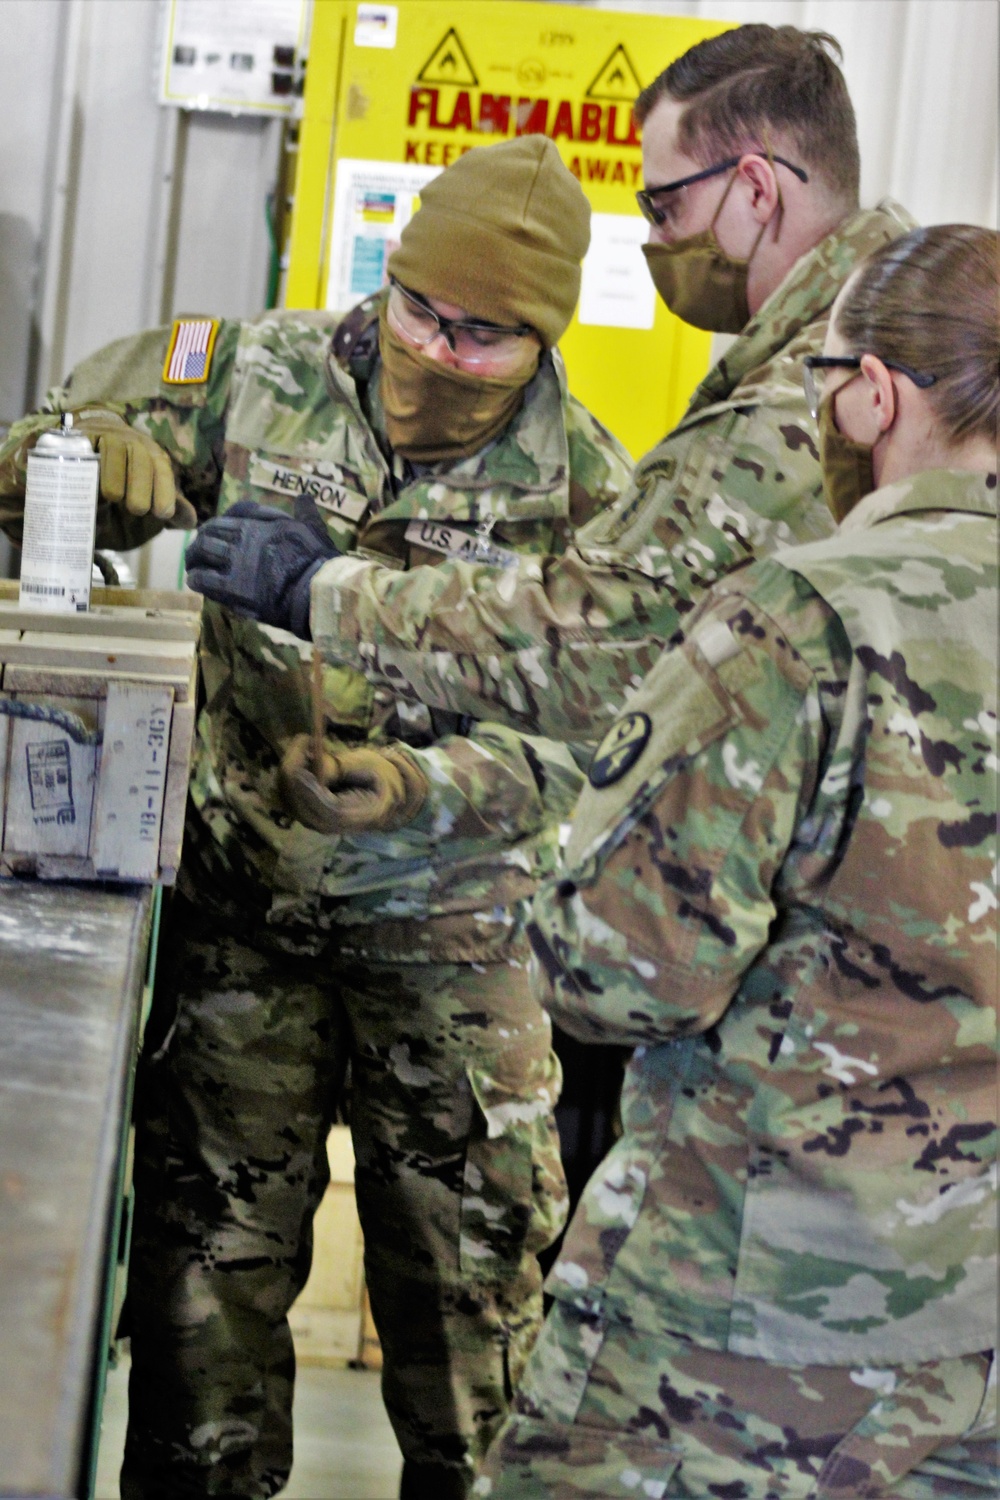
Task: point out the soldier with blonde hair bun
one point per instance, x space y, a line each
781 890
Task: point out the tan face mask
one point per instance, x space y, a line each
699 281
433 411
846 465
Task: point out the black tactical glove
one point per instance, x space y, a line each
258 561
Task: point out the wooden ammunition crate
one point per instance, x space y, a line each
97 717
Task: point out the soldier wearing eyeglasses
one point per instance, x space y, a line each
751 187
751 172
367 896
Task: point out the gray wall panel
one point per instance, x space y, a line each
29 44
119 146
230 166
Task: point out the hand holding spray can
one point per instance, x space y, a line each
60 516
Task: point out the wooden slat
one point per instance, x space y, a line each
51 783
184 600
182 728
166 625
100 653
133 775
151 613
35 680
179 599
47 866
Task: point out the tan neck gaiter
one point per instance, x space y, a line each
433 411
846 466
701 283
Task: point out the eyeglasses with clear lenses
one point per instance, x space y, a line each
472 342
814 388
667 211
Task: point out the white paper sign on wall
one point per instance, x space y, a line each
239 56
616 290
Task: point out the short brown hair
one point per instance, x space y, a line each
931 301
754 78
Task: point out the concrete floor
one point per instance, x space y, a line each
344 1446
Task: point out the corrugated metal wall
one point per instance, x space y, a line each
116 214
88 189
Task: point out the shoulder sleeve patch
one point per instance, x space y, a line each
619 750
189 351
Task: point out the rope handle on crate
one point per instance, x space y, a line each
72 724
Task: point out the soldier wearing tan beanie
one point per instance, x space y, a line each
361 898
497 240
502 232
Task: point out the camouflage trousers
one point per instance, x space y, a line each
606 1411
458 1183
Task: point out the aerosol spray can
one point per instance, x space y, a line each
60 516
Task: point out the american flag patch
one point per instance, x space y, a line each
189 353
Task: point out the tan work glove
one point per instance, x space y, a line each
366 790
135 470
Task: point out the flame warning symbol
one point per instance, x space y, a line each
616 79
449 63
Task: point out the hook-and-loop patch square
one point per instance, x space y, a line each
189 352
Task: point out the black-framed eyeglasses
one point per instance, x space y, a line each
814 388
470 340
653 213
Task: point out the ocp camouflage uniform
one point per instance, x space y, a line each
781 889
553 645
276 926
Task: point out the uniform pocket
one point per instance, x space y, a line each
514 1198
565 1461
924 1409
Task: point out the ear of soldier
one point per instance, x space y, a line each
863 405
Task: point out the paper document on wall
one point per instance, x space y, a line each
373 202
240 56
616 290
376 26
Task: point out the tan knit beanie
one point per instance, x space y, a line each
501 233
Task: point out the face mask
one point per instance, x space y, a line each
846 465
699 281
433 411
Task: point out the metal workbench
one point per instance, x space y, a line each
73 965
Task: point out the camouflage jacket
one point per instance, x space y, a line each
277 416
784 895
553 645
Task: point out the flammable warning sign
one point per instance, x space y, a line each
468 75
434 80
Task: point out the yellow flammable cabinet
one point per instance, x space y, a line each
395 93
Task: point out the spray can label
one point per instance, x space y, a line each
60 515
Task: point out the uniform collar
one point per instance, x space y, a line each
935 489
807 292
